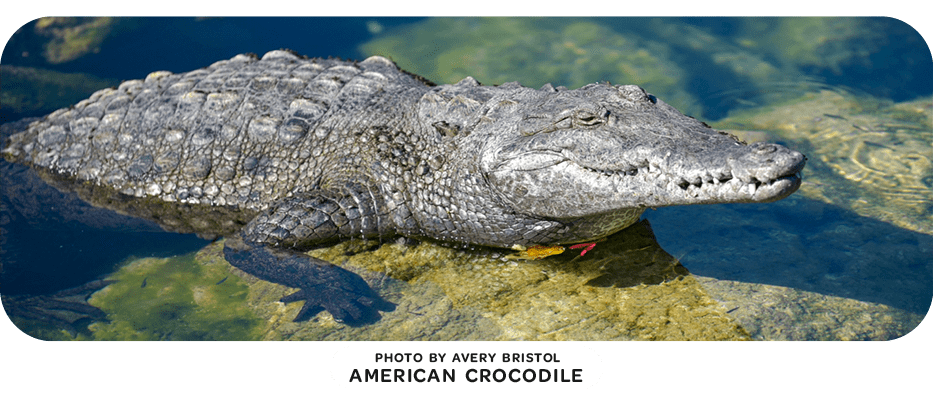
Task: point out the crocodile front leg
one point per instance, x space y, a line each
266 248
310 219
324 286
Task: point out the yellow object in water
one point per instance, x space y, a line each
536 252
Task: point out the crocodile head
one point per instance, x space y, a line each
601 148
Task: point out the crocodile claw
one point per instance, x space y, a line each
343 306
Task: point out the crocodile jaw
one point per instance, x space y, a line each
556 185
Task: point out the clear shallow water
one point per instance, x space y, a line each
844 258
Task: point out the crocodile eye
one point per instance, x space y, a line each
589 119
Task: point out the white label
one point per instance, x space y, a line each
466 367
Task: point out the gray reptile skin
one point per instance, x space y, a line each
290 153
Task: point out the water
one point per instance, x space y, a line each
846 257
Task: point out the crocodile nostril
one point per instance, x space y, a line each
633 93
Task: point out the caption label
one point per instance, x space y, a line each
466 367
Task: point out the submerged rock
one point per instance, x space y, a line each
626 288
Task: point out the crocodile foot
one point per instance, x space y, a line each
324 286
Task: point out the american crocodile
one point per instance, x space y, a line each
285 153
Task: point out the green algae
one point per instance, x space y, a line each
72 37
177 299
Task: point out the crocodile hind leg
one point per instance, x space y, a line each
268 249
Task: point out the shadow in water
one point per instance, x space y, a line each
804 244
636 258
